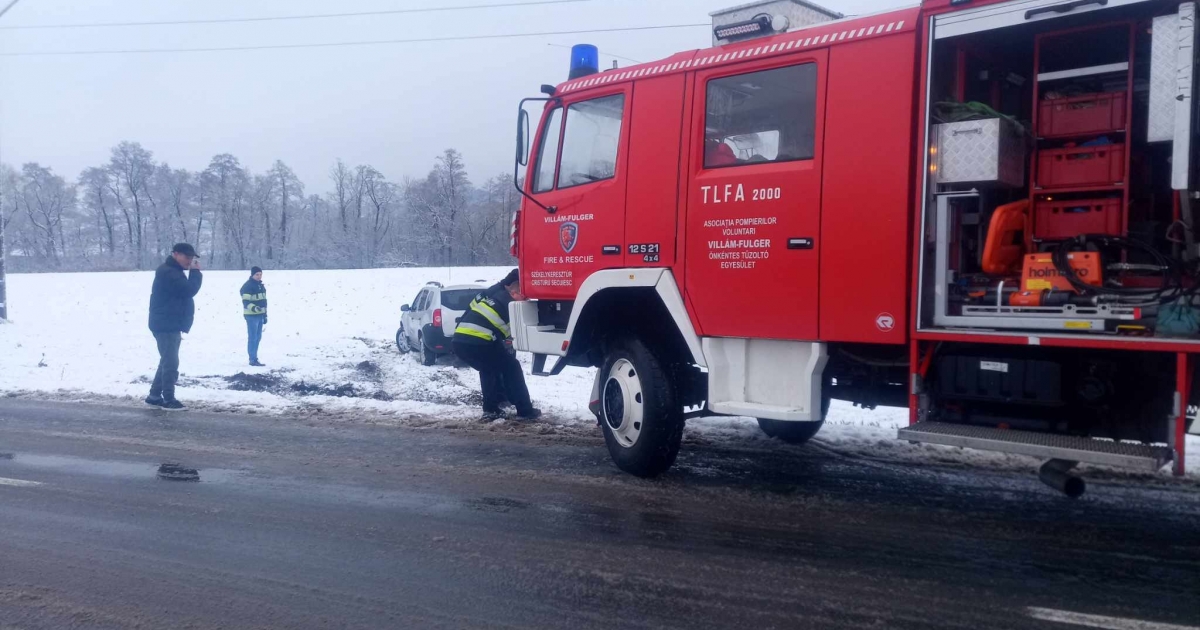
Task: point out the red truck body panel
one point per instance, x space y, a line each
865 221
656 142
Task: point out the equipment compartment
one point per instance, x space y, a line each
1096 192
1002 379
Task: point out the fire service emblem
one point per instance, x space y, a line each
568 236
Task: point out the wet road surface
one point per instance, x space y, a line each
308 525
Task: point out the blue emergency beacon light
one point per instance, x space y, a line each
585 60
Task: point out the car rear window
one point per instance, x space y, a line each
458 300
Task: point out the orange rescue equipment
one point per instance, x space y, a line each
1040 274
1006 238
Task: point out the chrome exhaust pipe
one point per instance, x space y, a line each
1056 473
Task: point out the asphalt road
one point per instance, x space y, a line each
306 525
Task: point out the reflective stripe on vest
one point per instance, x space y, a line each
475 331
491 315
251 307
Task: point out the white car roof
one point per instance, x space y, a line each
459 287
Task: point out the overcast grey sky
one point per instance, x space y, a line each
395 107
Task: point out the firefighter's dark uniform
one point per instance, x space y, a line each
479 341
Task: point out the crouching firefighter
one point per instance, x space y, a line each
479 340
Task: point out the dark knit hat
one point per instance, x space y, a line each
513 276
254 270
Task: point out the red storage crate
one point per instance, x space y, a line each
1102 165
1058 220
1081 115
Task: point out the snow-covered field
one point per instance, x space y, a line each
330 342
330 347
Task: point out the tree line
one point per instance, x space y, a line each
127 213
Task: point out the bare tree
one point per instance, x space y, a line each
132 166
290 194
97 199
381 195
177 186
343 191
226 181
452 187
487 223
45 197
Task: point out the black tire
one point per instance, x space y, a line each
790 432
428 357
402 342
799 432
639 411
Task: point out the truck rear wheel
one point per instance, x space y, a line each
799 432
639 412
790 432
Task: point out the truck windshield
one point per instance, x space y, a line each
593 133
458 299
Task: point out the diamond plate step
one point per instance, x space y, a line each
1041 445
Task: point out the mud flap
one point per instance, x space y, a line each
594 401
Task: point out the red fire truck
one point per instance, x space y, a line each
979 210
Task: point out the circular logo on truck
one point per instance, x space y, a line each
885 322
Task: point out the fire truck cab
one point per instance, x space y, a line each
977 210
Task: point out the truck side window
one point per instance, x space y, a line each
761 117
543 180
593 133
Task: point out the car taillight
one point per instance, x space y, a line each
437 318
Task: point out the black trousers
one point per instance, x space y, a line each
168 365
499 373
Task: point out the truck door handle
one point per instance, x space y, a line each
1063 8
802 242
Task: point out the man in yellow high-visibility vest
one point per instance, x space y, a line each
479 341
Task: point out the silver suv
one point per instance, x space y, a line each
428 324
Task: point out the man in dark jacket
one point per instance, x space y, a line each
254 307
479 341
172 310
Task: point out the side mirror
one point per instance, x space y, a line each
406 308
523 137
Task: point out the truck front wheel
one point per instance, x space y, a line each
639 412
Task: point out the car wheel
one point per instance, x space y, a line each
428 357
402 342
639 413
